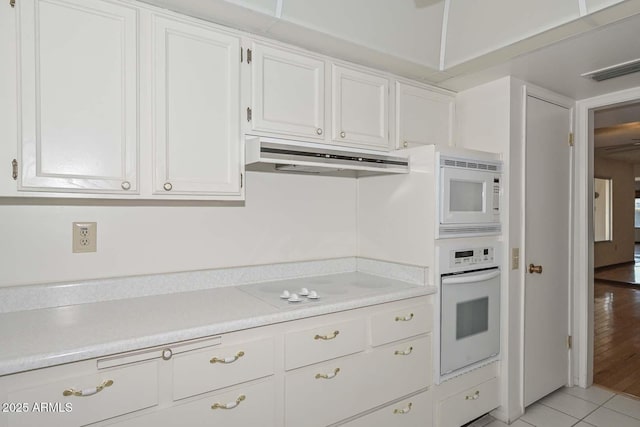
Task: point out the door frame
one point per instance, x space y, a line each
583 231
569 104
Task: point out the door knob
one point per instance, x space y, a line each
535 269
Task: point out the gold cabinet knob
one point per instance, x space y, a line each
535 269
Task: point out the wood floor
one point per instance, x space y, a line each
617 337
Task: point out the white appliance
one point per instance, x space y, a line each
469 306
469 196
281 155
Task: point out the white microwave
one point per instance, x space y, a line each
469 199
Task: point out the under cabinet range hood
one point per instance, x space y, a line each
280 155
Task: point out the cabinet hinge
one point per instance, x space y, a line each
249 114
12 3
570 139
241 56
241 180
248 56
569 342
14 169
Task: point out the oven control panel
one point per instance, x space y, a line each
471 257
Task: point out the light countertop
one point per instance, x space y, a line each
39 338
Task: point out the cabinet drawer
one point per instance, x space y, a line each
416 411
324 342
401 323
350 385
469 404
106 394
213 368
249 405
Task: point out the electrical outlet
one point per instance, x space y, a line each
515 258
85 236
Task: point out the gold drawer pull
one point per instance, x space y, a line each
88 391
403 410
229 405
474 396
403 352
328 376
227 359
327 337
404 318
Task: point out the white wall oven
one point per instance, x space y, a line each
469 307
469 199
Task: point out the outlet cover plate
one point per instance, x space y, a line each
84 237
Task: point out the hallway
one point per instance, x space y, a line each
616 323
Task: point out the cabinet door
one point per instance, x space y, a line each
78 96
360 109
288 93
252 404
422 116
197 110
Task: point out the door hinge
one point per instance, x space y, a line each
248 56
12 3
14 169
249 114
241 180
570 139
569 342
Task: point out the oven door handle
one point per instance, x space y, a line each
471 278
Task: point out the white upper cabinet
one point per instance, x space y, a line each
196 79
78 96
360 108
423 116
287 93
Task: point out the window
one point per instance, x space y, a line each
602 215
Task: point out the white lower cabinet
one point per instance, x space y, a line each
362 366
86 398
252 404
350 385
469 404
218 367
416 411
467 396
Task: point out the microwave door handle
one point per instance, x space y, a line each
472 278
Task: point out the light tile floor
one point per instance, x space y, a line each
576 407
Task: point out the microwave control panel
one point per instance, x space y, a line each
471 257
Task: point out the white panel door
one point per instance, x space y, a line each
197 109
288 92
78 96
547 202
360 109
423 116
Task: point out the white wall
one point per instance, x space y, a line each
286 218
489 118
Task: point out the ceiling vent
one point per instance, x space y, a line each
617 70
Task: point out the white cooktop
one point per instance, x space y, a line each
329 289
